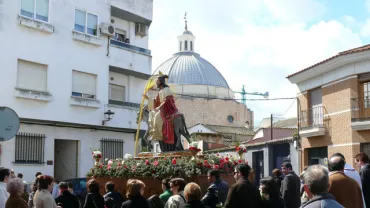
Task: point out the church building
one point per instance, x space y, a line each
202 94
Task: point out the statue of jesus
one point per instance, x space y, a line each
165 108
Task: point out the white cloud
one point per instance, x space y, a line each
248 52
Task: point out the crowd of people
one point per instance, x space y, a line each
337 186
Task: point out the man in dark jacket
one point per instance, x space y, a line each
316 184
290 187
362 162
243 193
117 197
66 199
211 199
222 186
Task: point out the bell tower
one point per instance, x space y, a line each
186 40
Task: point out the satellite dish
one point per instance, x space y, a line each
9 123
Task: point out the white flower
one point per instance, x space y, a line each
128 156
110 162
138 164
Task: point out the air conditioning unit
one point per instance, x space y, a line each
107 29
141 29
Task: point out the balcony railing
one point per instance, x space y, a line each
312 117
130 47
360 109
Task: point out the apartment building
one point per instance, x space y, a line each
335 106
66 67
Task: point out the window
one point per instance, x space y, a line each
35 9
83 85
112 148
191 45
366 94
86 22
29 148
180 45
186 45
31 76
116 94
120 35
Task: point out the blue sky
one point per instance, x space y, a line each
259 42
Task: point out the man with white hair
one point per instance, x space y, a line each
316 185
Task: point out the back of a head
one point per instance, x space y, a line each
70 185
3 173
93 186
192 192
155 202
276 172
180 182
63 185
287 165
336 163
166 183
270 187
316 178
215 173
338 154
109 186
363 157
244 170
134 187
20 175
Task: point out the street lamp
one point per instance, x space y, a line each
108 116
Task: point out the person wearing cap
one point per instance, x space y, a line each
165 107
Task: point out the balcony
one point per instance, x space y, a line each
311 122
360 113
129 47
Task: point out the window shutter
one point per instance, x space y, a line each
117 92
83 83
31 76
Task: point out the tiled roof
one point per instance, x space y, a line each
354 50
230 130
286 123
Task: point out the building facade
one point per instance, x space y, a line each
64 65
202 94
334 106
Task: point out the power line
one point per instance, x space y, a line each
215 98
287 109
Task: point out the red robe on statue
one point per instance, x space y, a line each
168 109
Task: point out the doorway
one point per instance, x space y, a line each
66 159
258 166
318 156
281 152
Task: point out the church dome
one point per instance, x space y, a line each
189 68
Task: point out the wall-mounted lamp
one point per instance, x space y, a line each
108 116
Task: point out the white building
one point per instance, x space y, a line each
60 72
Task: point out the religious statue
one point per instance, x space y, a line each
166 124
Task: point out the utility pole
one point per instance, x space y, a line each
271 126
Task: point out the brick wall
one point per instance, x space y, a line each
339 135
213 111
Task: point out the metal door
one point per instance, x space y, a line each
281 152
258 168
66 156
316 113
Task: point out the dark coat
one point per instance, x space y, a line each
67 200
223 188
117 197
273 203
136 202
94 201
243 194
278 181
210 199
195 204
322 201
365 180
291 190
